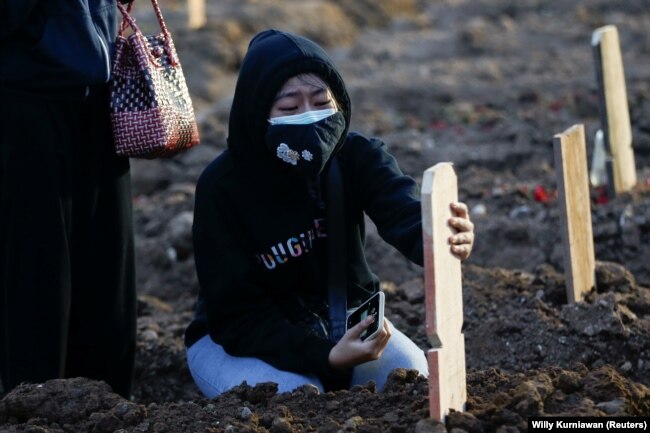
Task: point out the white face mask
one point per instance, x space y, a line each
303 118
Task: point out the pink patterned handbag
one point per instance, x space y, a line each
151 109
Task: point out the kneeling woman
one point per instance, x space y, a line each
261 232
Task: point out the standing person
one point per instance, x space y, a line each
260 231
67 287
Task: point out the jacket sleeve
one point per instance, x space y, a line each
388 196
13 13
241 315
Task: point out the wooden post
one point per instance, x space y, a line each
575 211
614 111
196 16
443 294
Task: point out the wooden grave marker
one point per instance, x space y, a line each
443 294
196 15
614 110
570 151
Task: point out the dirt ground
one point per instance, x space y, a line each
484 84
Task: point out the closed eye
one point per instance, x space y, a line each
324 103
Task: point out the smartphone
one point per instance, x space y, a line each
373 306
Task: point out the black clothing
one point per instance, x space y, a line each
47 44
67 285
259 227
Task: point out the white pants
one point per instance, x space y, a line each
215 371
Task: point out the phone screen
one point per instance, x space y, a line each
373 306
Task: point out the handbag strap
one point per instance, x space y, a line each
336 252
128 20
124 23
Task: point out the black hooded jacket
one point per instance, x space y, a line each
56 44
259 228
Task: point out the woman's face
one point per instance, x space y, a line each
305 92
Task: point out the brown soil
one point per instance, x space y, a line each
485 84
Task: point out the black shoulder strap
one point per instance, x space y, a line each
336 252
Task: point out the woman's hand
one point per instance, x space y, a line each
463 240
351 350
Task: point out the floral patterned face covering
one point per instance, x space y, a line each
306 141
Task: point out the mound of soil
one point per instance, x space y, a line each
484 84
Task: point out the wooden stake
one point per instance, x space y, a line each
196 16
443 294
570 151
614 111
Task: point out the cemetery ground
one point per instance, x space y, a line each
483 84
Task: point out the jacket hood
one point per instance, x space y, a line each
273 57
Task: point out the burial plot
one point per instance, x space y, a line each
575 211
614 111
443 294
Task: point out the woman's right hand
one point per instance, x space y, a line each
351 350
